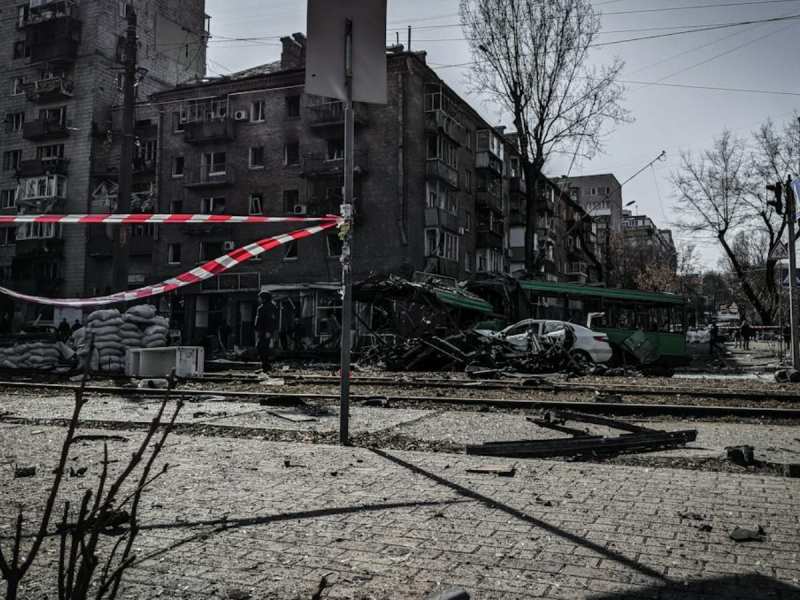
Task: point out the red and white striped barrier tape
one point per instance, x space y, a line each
203 272
174 219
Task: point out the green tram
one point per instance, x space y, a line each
660 317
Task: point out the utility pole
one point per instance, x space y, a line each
121 255
347 215
791 216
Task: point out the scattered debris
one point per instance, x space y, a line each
21 472
98 438
323 583
454 593
741 455
787 376
607 398
80 472
741 534
494 469
293 417
791 470
640 439
153 384
272 381
201 414
238 594
378 401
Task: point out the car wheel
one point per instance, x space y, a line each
583 360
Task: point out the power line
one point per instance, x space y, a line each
698 6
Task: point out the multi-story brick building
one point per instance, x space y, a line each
566 234
62 73
646 244
429 187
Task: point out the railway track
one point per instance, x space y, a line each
533 383
287 399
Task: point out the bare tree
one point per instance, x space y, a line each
716 192
531 57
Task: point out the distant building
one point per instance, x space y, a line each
62 74
642 236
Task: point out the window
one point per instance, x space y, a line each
291 251
256 204
21 50
177 121
334 245
54 115
211 250
257 157
14 122
257 111
467 181
174 254
120 82
176 207
593 191
178 166
214 163
292 107
335 150
8 198
148 150
11 159
8 236
22 15
291 198
39 231
213 206
442 244
470 261
467 221
50 152
469 140
292 154
17 86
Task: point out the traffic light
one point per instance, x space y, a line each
777 190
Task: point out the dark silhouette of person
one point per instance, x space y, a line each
265 325
64 330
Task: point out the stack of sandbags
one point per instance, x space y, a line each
49 356
156 335
105 328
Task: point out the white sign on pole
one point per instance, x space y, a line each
325 49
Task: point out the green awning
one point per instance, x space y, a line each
466 302
548 288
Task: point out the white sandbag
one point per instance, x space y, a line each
104 315
142 312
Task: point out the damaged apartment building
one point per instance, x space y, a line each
63 73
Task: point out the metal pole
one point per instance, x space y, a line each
347 214
791 215
120 262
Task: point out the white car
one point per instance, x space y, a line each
590 346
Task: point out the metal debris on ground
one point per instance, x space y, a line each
501 470
741 455
638 439
455 593
742 534
21 472
293 417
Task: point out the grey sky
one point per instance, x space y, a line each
754 57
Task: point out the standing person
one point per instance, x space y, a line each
746 332
713 338
265 327
76 325
64 330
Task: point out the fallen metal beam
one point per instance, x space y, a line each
556 427
565 415
637 442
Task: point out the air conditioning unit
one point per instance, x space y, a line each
299 209
241 115
228 246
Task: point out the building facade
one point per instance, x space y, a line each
430 189
62 75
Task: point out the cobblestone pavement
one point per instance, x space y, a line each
231 520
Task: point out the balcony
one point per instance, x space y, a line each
442 266
331 115
48 11
489 162
46 188
438 217
39 248
518 185
38 167
578 268
205 178
217 130
489 199
437 121
488 238
44 129
438 169
50 90
142 166
319 166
